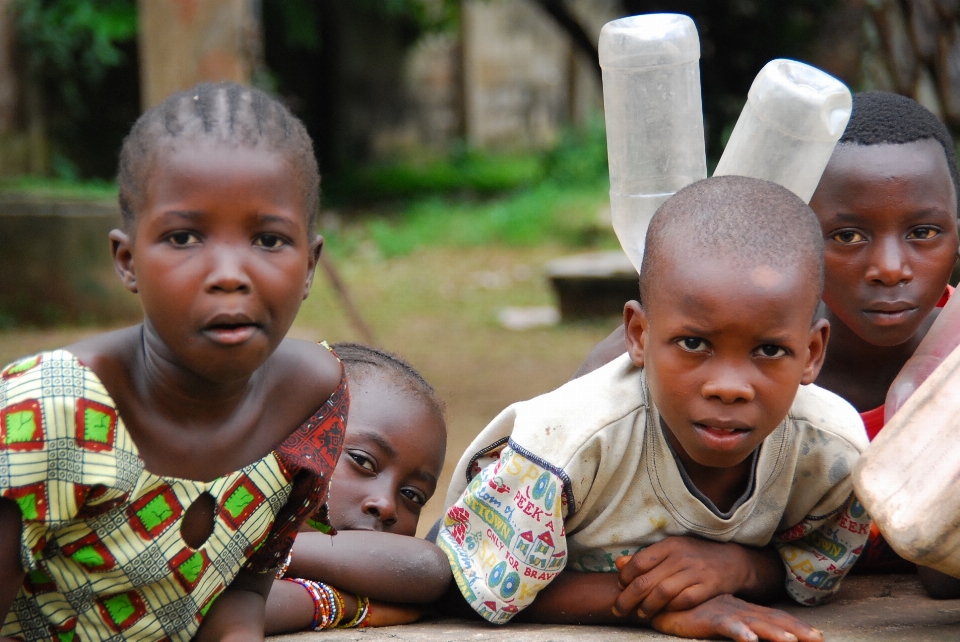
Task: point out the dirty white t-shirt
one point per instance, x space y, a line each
582 475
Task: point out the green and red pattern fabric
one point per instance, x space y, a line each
101 539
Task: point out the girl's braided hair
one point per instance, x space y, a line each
361 360
225 113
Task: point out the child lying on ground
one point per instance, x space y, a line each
655 494
887 206
392 458
152 480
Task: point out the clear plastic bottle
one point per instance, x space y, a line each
794 116
654 116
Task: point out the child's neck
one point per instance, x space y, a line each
862 372
722 486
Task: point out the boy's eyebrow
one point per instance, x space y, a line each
263 217
189 215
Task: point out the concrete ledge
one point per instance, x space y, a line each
596 284
877 608
55 264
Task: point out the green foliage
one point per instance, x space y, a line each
70 189
546 213
471 173
550 197
74 42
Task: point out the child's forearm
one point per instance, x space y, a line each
290 608
578 598
237 614
382 566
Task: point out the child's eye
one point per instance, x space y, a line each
771 351
269 241
183 238
693 344
414 496
923 233
847 237
363 461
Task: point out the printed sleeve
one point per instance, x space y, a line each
62 456
820 550
505 537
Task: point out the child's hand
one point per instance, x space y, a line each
391 614
679 573
731 617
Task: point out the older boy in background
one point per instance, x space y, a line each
657 487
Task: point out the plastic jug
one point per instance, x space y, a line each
907 479
941 339
654 116
794 116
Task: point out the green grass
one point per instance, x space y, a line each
40 187
546 213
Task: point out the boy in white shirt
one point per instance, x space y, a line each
690 470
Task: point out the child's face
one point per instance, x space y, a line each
889 219
221 257
725 352
392 458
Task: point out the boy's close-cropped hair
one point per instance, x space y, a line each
748 221
223 113
881 117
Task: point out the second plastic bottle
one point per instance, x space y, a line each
654 117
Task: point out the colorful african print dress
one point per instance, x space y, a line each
101 540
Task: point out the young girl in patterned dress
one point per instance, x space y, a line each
152 479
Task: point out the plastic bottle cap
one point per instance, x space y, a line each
801 100
649 40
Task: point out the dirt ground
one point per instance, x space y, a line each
437 308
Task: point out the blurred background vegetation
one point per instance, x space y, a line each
390 90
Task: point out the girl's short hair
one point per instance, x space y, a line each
361 361
223 112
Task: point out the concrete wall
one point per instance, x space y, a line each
56 266
523 81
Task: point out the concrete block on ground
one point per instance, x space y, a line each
596 284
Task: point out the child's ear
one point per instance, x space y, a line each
635 328
316 247
121 246
816 350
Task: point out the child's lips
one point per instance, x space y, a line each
722 435
231 335
230 330
890 314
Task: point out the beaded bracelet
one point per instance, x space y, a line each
327 603
314 593
363 610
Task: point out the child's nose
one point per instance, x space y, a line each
382 509
728 384
227 273
889 264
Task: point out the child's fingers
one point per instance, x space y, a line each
765 622
669 589
689 624
641 562
639 590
